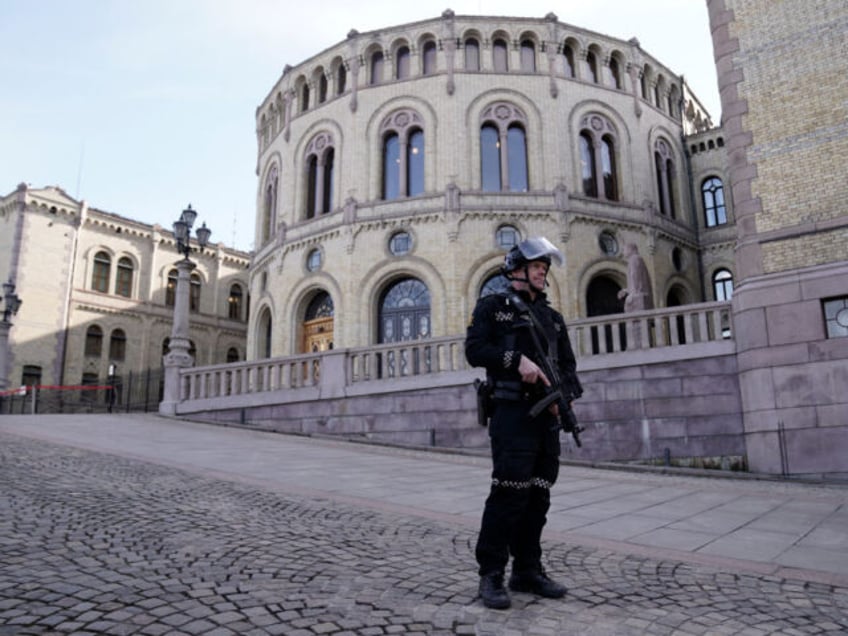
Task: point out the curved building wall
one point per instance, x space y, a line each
421 151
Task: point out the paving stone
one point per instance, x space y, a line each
94 543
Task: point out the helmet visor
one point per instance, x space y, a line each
534 249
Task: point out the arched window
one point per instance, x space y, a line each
403 154
712 195
405 311
587 165
429 58
93 341
341 79
666 178
118 345
318 324
490 158
723 285
320 171
528 56
269 206
322 87
194 292
608 168
500 56
615 73
235 302
598 165
376 67
472 54
591 67
233 355
124 278
568 60
101 272
494 284
503 149
304 97
402 63
263 334
645 82
171 288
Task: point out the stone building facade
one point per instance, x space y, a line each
97 290
784 94
397 166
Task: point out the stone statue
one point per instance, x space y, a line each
637 295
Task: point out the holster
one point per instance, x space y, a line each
485 404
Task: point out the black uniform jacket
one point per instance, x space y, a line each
498 335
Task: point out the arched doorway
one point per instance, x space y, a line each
602 300
404 315
263 334
318 324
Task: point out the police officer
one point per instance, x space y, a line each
525 452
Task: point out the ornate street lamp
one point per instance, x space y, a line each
178 356
11 304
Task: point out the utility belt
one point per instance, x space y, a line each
510 391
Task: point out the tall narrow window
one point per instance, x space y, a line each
517 158
391 166
490 158
592 66
615 73
171 288
327 199
376 67
304 98
402 63
472 55
322 88
311 185
101 272
124 278
723 285
528 56
93 341
263 334
194 292
415 163
712 193
118 345
234 302
568 60
269 206
587 166
500 56
608 168
429 62
341 79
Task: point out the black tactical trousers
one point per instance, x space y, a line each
525 457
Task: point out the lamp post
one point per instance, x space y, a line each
178 356
11 304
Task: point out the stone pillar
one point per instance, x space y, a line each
178 357
5 354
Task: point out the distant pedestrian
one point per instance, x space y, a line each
525 451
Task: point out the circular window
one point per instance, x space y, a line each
400 243
608 243
507 237
313 260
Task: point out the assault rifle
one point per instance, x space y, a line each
559 392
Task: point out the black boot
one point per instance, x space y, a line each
493 592
537 582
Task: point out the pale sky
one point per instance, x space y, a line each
143 106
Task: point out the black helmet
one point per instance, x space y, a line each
532 249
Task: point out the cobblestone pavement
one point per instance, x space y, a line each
92 543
